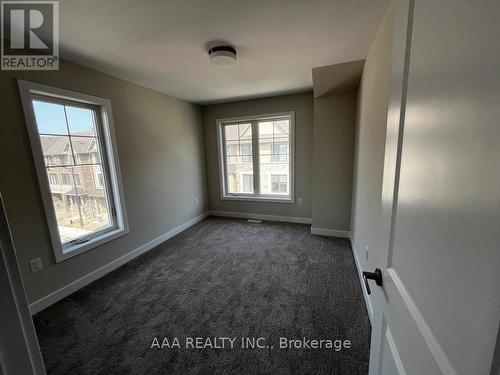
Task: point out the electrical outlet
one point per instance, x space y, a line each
196 201
299 200
367 250
36 265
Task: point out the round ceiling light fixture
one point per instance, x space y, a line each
222 55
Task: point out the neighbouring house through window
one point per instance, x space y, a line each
53 178
100 181
247 183
66 179
279 183
256 155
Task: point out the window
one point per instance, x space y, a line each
279 183
279 152
99 182
53 179
246 152
65 128
252 151
247 183
66 178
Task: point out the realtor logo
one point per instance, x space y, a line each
30 35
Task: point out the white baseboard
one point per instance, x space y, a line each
368 302
65 291
330 232
242 215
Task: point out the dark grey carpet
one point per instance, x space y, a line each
220 278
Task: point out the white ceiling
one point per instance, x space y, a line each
163 44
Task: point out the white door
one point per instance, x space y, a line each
438 309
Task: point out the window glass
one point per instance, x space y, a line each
50 118
274 142
238 148
81 121
53 179
74 165
247 183
264 144
279 183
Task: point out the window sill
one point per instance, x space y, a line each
266 198
89 245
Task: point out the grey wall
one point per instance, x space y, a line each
333 153
371 123
160 147
302 104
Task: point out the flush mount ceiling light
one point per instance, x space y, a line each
222 55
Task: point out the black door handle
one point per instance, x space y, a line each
377 276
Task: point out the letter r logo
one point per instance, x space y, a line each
18 29
28 27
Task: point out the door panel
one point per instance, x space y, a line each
417 347
390 360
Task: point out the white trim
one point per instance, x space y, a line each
27 90
394 350
255 117
256 196
434 347
243 215
330 232
72 287
368 302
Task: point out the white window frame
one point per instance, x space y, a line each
256 196
29 90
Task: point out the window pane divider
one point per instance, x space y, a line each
68 135
73 165
255 157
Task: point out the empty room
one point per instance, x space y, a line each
250 187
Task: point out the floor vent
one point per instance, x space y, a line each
254 221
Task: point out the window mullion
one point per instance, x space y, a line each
224 159
255 157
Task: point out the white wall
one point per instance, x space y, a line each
371 122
